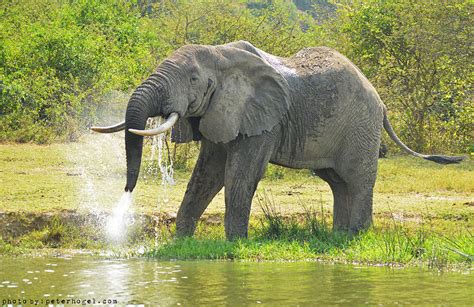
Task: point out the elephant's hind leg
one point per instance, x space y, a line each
341 207
206 181
360 175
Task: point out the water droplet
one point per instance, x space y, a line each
49 271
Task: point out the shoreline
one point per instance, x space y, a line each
299 239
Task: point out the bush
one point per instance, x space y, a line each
417 55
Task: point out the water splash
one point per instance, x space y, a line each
121 217
164 164
97 160
98 163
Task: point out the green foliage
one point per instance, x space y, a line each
59 61
274 172
417 54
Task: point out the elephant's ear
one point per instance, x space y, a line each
186 130
251 97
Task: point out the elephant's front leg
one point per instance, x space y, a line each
206 181
246 162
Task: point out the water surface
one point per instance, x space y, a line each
139 281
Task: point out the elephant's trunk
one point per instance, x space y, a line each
145 102
134 146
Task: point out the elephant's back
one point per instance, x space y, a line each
330 77
317 60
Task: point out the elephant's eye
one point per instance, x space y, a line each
194 79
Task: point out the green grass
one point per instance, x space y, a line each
274 237
406 174
423 212
369 248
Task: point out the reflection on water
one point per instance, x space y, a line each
139 281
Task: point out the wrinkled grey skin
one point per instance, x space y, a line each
314 110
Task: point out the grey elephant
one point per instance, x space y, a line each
314 110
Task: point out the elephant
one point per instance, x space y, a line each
314 110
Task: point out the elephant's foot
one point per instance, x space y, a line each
353 229
237 211
337 226
236 222
361 210
185 228
236 234
360 227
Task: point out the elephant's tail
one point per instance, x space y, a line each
441 159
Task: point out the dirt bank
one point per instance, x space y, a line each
14 225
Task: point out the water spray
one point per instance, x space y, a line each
117 223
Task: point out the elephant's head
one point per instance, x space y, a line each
216 92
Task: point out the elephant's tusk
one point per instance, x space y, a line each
170 121
110 129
